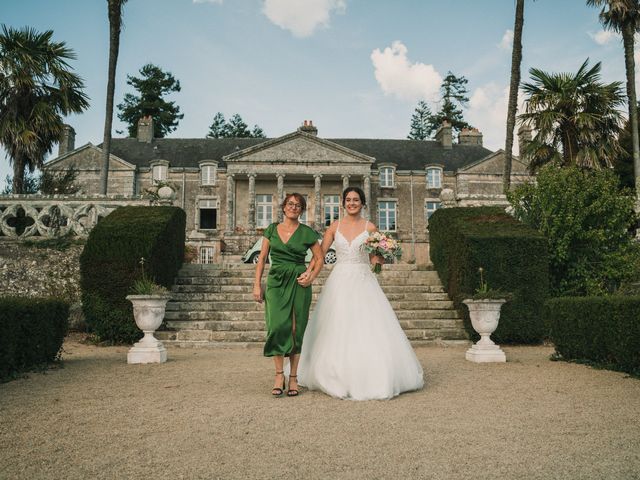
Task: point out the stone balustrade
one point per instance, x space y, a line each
23 216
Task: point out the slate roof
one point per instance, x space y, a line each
187 152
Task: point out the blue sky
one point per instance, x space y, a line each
357 68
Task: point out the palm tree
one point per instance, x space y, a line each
37 87
623 16
115 25
516 60
576 118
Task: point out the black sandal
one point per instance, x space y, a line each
275 391
292 392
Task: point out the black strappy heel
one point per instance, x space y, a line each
275 391
292 392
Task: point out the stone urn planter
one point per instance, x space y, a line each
148 312
485 315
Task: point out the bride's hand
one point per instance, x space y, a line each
377 259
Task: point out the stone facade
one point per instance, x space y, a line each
231 188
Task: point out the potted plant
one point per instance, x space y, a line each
149 303
484 310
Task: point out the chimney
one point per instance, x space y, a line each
67 140
470 136
145 129
525 135
307 127
443 135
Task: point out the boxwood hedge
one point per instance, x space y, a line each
110 263
31 333
604 330
513 256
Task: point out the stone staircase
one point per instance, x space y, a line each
212 305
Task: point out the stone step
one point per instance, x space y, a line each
413 280
259 315
259 325
388 289
213 269
244 306
248 297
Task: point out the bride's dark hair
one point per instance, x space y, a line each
360 193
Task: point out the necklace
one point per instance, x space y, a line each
287 232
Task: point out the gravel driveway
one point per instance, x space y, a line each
208 414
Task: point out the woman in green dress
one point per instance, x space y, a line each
288 294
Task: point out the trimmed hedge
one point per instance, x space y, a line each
514 258
31 333
605 330
110 263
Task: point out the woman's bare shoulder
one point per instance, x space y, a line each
371 227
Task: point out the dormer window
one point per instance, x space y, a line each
434 177
160 171
387 177
208 171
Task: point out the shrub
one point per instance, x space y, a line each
604 330
586 219
31 333
109 265
513 258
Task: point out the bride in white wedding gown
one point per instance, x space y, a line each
354 347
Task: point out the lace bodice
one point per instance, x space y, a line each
351 252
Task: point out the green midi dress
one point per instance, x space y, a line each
284 299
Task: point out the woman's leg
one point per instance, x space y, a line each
278 383
293 376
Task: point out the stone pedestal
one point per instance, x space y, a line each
147 351
485 353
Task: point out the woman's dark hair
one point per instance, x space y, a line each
298 197
358 191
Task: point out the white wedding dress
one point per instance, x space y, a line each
354 347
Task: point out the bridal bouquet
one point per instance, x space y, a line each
386 247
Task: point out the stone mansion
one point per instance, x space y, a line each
231 188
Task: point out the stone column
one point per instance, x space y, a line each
252 202
366 184
317 221
345 182
280 177
231 193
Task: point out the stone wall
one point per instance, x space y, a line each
31 270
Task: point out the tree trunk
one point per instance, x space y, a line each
629 63
18 174
115 21
516 60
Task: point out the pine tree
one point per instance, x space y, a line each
257 132
236 127
153 85
454 97
218 128
420 122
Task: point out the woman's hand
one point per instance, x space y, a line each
305 279
257 293
377 260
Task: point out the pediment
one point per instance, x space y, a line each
87 157
493 164
298 147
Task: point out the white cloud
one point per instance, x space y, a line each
488 113
302 18
507 40
408 81
219 2
603 37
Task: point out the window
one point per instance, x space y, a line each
208 214
331 209
434 178
159 172
386 177
431 207
387 216
264 210
208 175
303 215
206 254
